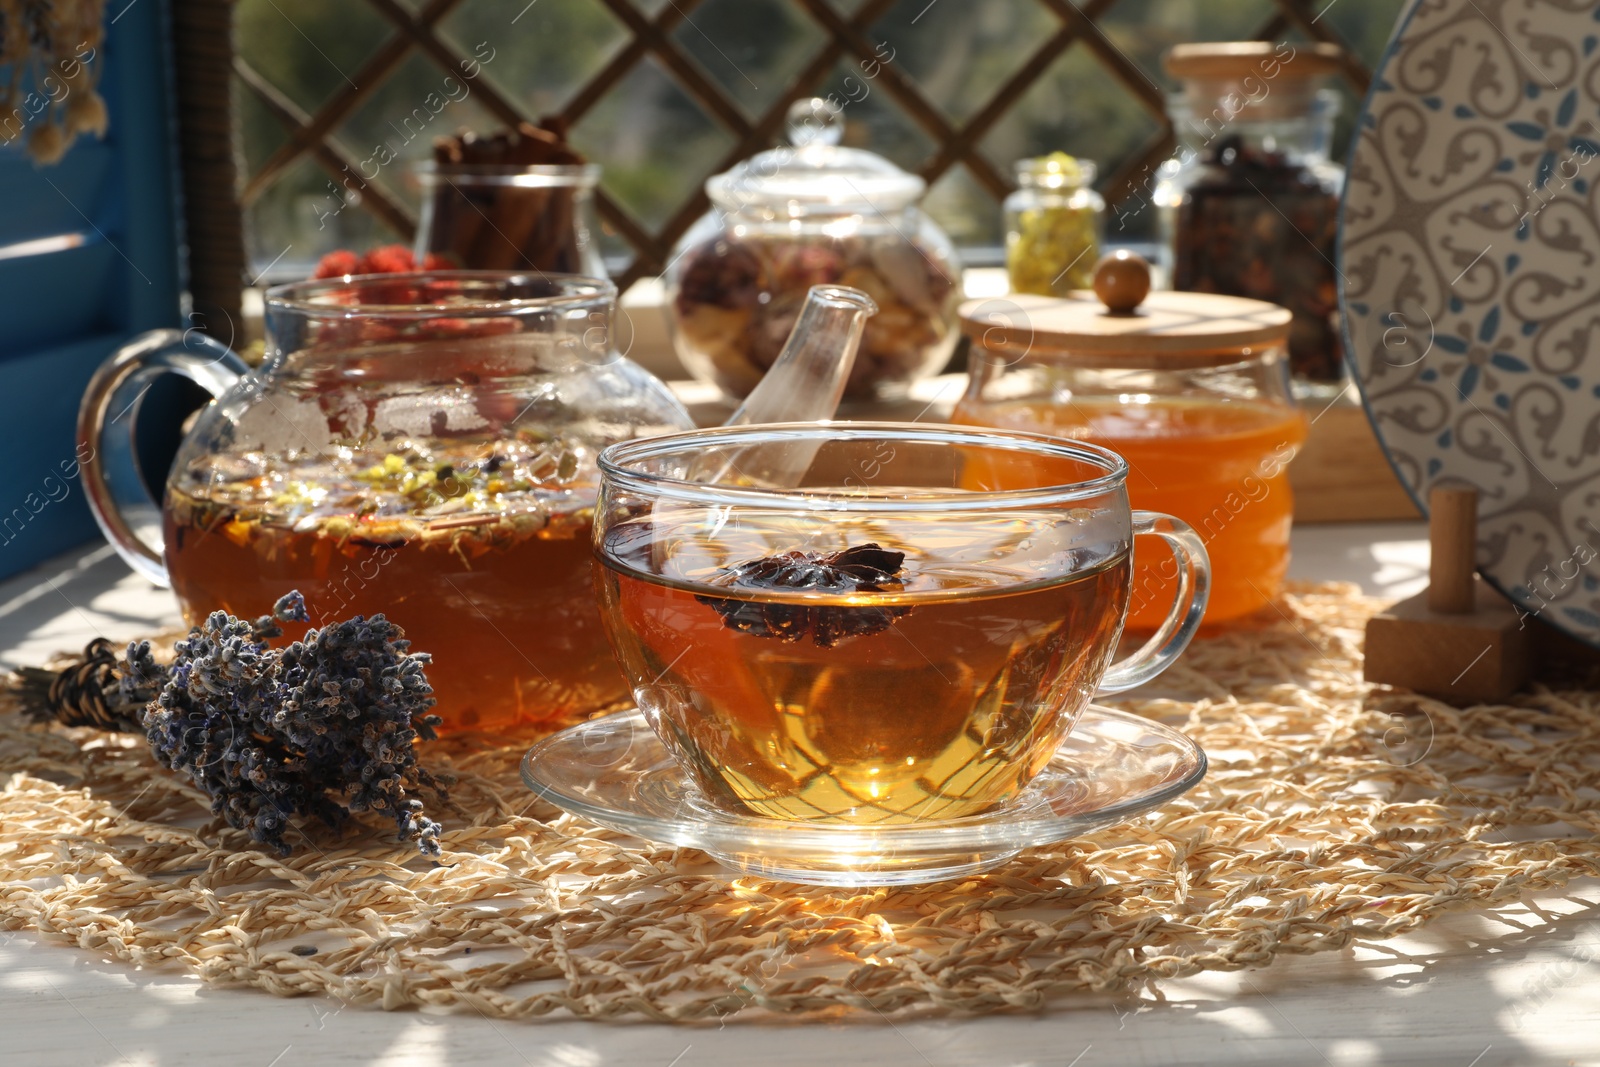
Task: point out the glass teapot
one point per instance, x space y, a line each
421 445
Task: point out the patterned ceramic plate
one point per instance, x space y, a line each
1470 256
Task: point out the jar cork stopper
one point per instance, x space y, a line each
1122 281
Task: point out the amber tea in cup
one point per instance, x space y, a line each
890 641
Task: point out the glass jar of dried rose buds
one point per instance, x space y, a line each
813 213
1250 203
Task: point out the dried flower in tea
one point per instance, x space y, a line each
864 568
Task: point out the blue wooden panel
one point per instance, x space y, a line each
63 312
42 508
57 199
59 297
137 85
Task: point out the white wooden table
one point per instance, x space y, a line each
1471 991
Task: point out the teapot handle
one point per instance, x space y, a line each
117 495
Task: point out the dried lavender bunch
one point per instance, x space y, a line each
88 693
322 728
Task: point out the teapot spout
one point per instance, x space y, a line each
807 381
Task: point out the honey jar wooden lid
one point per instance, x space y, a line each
1169 325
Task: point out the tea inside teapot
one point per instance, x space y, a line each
476 546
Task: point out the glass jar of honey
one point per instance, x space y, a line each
1191 388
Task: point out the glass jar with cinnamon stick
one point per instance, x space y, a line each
521 199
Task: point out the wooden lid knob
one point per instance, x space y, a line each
1121 281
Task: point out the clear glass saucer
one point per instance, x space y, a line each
615 772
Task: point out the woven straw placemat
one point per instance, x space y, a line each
1333 813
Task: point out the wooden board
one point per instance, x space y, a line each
1341 474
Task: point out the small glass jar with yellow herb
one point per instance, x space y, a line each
1054 224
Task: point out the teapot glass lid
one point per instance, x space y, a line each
814 172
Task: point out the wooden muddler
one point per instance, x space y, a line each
1460 640
1453 543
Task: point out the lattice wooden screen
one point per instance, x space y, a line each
846 36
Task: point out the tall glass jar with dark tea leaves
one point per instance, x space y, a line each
1250 202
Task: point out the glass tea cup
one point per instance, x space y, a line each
906 631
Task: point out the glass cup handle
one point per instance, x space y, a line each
117 495
1194 588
